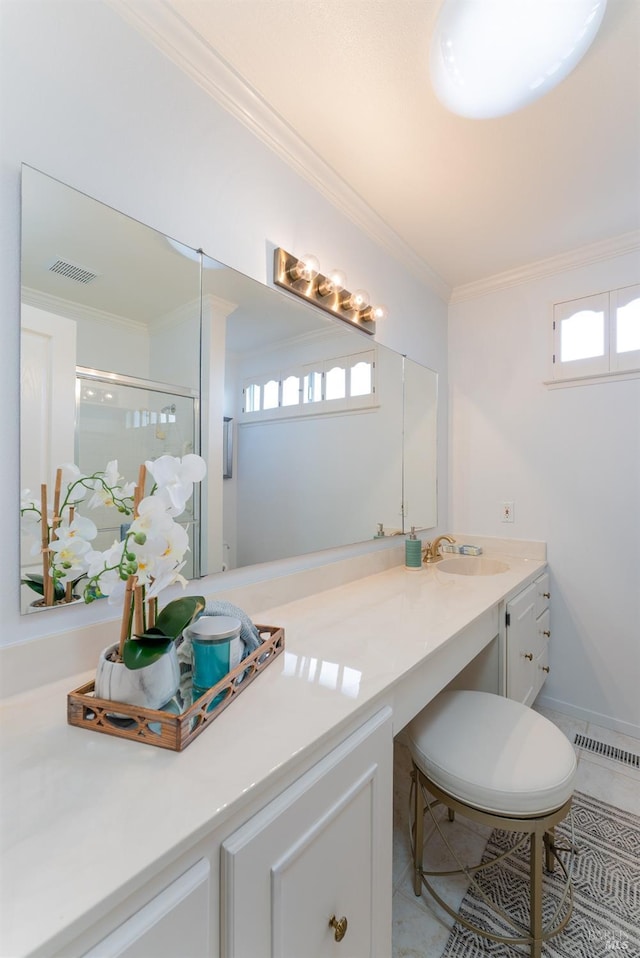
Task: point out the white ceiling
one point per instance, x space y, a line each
348 82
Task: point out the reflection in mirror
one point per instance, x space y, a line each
110 348
307 425
316 408
420 432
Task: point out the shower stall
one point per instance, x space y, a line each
135 420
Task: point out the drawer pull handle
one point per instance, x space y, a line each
545 668
546 595
546 632
528 655
339 926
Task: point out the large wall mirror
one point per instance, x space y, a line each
135 346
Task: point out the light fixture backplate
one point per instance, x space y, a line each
308 290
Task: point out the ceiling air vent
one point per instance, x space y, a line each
72 271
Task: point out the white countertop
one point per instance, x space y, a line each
85 815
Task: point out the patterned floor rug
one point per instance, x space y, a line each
606 890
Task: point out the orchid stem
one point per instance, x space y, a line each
127 615
47 581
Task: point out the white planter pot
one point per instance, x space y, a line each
38 604
150 687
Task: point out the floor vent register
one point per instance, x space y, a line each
608 751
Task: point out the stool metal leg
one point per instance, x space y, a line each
549 846
418 838
535 879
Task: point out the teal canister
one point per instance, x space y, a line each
413 551
214 639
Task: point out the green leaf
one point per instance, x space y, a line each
147 647
33 583
138 654
36 582
177 615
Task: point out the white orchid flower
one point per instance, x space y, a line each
161 550
80 528
154 547
175 478
69 559
68 549
110 485
104 568
105 564
166 578
152 517
115 481
177 543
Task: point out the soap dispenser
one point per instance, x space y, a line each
413 551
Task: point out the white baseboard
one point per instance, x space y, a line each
588 715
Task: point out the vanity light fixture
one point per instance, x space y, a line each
302 277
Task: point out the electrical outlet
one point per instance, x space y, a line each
506 512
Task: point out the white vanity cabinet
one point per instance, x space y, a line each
527 640
318 854
175 922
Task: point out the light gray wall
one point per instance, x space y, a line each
87 100
569 459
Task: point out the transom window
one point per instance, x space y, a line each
336 384
597 335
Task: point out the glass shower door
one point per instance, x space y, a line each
134 420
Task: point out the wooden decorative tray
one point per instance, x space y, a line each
167 729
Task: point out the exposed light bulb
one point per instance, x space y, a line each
356 301
307 268
375 314
334 282
489 59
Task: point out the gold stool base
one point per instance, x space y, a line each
538 830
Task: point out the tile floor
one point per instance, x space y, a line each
420 927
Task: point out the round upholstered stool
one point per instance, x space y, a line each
498 762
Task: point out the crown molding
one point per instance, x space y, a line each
77 311
582 256
169 32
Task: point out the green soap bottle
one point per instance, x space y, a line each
413 551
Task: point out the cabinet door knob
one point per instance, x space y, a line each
546 595
545 668
546 632
339 926
528 655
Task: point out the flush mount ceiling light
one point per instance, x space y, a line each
492 57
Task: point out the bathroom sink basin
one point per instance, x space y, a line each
472 565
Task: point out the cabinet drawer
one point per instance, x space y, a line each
527 640
543 593
544 631
542 668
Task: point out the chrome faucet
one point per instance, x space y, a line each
431 552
